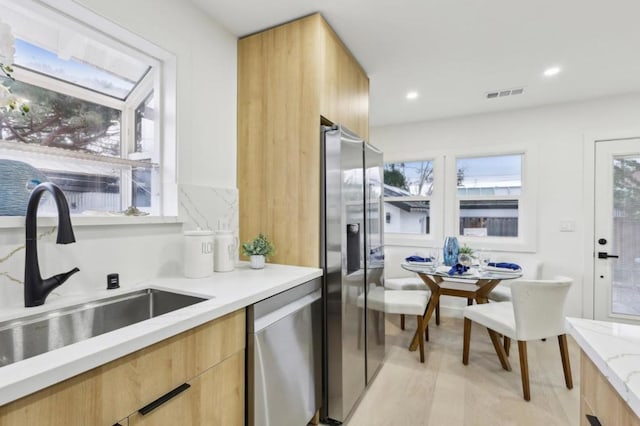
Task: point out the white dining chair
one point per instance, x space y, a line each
409 284
412 302
530 271
397 278
535 312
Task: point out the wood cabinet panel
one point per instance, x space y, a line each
288 77
115 390
215 398
278 132
599 398
345 87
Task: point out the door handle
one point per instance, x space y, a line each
605 255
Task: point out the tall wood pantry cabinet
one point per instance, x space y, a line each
290 79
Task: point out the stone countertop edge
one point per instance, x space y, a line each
614 348
227 292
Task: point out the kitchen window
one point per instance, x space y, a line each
95 122
488 191
485 198
408 188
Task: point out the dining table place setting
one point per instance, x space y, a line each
418 260
504 268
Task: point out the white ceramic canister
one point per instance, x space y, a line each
198 253
225 251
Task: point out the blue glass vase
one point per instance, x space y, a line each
450 251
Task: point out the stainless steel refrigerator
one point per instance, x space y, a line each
352 258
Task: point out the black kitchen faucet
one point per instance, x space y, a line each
36 289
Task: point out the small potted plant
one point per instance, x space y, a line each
465 254
258 250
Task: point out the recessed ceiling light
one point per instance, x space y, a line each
551 71
412 95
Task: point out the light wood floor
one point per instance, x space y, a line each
444 392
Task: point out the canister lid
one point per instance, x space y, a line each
198 233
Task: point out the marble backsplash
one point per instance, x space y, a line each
204 207
136 252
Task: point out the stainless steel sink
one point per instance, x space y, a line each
36 334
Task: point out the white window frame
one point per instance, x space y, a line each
164 86
435 200
526 240
444 206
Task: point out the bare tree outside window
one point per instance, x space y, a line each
414 177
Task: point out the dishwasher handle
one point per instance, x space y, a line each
275 316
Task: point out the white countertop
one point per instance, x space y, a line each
615 349
226 291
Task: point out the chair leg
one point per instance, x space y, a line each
420 337
466 340
524 369
507 345
497 346
566 365
401 321
427 315
469 301
438 313
426 332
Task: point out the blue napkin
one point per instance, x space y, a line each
458 269
505 265
418 259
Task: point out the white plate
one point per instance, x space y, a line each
417 263
503 270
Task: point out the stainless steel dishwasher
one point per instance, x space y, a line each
284 357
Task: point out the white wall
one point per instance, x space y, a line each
206 137
206 62
561 134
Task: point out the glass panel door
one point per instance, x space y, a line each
617 231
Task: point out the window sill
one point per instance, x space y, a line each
18 221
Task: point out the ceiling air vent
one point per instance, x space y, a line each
504 93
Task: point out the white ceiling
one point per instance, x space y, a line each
452 52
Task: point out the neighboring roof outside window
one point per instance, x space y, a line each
408 205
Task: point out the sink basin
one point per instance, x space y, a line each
36 334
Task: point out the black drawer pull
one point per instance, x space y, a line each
593 420
164 398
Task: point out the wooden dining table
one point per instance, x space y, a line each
472 285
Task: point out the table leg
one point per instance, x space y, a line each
485 286
435 297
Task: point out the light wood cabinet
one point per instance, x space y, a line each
598 398
114 391
290 78
216 397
